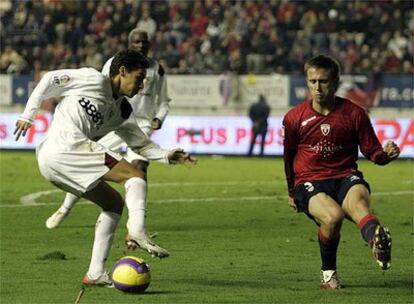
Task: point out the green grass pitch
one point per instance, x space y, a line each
227 225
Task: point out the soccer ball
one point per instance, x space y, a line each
131 274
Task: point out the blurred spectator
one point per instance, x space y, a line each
11 62
258 114
249 36
147 24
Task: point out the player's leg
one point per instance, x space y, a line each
329 215
112 204
252 141
115 144
263 141
356 206
135 198
315 198
141 165
57 218
138 161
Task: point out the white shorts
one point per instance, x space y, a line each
78 170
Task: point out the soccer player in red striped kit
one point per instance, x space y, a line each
321 140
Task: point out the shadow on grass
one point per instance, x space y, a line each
400 284
149 293
69 226
231 283
160 292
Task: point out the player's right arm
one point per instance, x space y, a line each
290 146
21 128
60 83
52 84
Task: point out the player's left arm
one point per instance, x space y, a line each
140 143
163 100
392 149
369 144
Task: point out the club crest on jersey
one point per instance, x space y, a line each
325 128
60 80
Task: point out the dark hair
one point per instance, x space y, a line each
130 59
325 62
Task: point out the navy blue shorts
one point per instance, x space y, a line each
335 188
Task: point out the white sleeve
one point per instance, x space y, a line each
163 99
107 67
52 84
140 143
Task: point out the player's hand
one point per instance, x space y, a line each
178 156
21 128
392 149
292 204
156 124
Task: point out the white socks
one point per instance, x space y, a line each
104 234
68 203
136 201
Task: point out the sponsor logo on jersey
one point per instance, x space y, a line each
325 148
325 128
60 80
306 121
92 111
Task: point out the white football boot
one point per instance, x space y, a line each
55 219
103 280
381 247
329 280
143 241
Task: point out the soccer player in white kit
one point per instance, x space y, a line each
70 158
150 107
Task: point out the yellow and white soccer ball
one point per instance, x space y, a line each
131 274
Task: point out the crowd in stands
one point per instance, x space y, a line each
210 36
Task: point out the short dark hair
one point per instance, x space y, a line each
325 62
130 59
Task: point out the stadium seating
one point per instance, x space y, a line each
210 37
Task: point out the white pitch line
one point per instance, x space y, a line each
189 200
30 199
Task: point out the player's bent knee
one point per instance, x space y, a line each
332 218
335 218
141 166
122 172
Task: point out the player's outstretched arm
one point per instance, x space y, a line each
21 128
156 124
292 204
392 150
179 156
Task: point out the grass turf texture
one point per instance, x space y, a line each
231 234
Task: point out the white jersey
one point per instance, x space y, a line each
151 102
69 156
88 111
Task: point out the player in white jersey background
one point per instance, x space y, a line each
150 107
70 158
